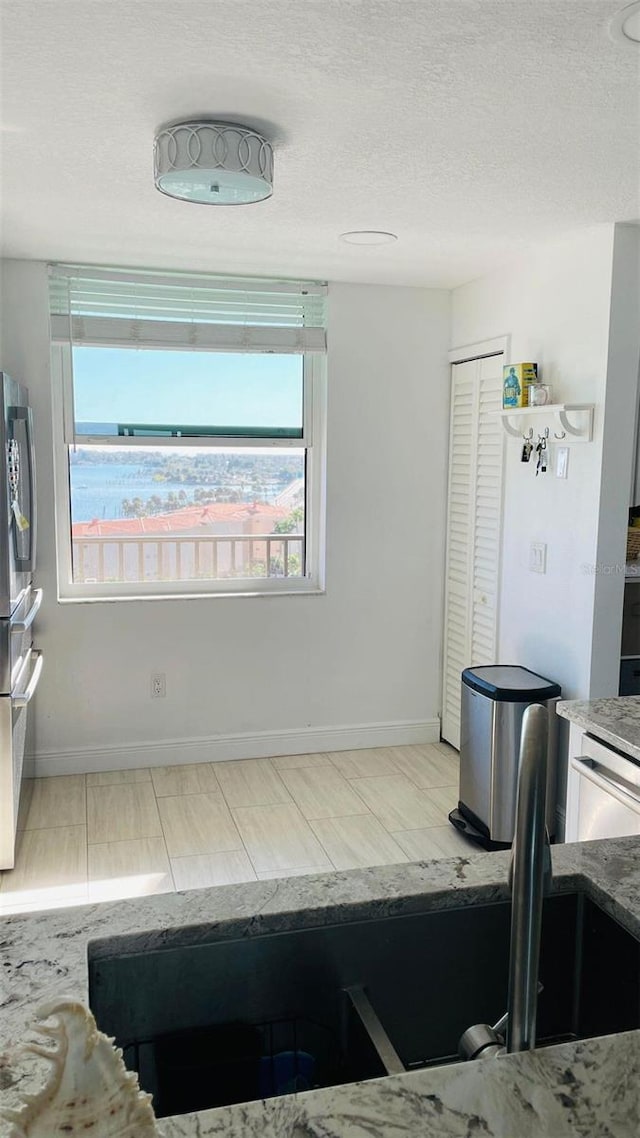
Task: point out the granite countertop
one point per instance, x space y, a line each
588 1088
615 720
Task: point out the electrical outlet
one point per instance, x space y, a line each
537 557
158 685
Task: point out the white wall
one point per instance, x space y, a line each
366 653
555 306
570 307
1 314
618 457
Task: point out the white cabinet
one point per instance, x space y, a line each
603 790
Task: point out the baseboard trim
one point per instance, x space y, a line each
222 748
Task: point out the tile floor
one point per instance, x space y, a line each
129 833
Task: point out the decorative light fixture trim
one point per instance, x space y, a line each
625 25
213 163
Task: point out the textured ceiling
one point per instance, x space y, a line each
468 127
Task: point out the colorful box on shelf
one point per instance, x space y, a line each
515 384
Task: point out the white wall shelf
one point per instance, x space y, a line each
566 422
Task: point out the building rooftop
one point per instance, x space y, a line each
188 518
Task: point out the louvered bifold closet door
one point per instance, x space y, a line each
488 514
473 528
459 538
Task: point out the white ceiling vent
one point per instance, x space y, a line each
368 237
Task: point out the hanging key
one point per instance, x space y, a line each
543 454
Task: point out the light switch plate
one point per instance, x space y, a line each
537 557
562 462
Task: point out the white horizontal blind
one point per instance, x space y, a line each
123 308
473 528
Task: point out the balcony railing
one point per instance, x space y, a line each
186 558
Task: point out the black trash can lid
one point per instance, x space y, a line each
510 683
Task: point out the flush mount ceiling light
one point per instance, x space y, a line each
368 237
625 26
213 163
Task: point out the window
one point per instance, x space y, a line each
189 433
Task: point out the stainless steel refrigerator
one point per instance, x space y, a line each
20 662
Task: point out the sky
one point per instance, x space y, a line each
125 385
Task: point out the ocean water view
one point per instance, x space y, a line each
99 489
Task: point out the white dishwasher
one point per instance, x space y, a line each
603 793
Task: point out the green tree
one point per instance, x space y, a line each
276 566
291 523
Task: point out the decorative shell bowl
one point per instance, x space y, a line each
89 1090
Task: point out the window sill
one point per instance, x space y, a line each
312 591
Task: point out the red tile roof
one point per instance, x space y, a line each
189 518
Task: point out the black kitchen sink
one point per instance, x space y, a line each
212 1024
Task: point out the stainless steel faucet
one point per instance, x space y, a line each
529 878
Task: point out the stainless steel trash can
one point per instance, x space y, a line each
494 699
